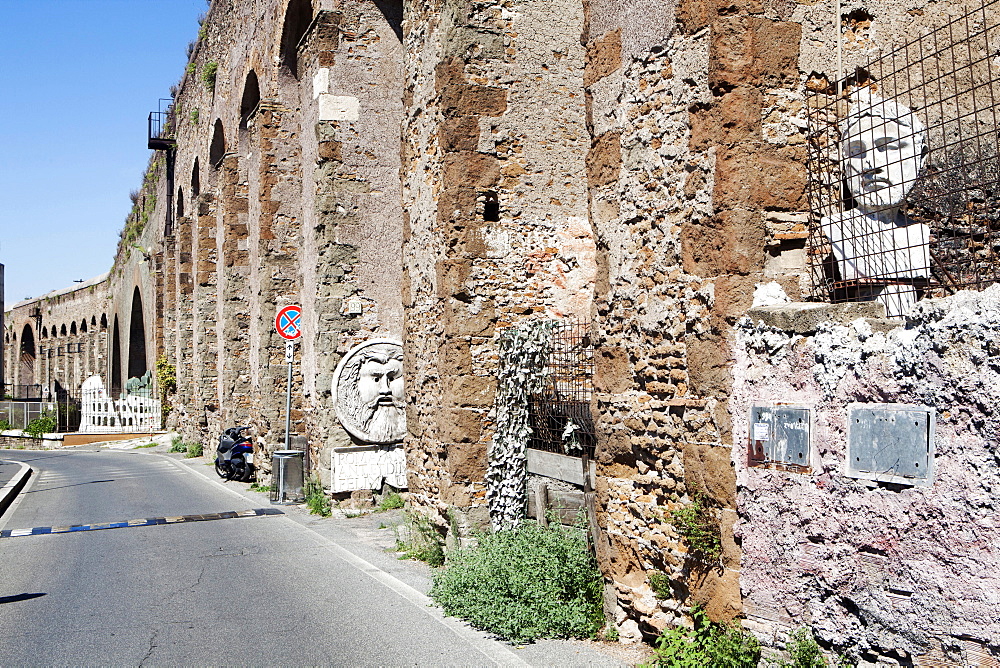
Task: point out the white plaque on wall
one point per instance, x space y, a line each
367 467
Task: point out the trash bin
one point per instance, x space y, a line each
287 477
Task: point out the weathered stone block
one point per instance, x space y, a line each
604 160
465 99
779 178
468 390
459 425
753 51
604 56
459 134
730 243
467 462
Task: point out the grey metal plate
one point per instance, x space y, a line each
780 434
890 442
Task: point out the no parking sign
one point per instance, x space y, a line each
288 322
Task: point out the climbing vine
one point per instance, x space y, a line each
523 354
166 379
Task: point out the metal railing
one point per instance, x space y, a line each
561 417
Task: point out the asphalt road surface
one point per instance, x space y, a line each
226 590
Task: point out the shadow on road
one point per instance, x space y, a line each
19 597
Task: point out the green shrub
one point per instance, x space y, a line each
525 583
805 652
316 499
660 584
5 425
699 527
208 73
194 449
43 424
177 445
423 542
707 644
391 501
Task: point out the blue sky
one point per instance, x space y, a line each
78 78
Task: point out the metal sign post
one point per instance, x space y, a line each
288 324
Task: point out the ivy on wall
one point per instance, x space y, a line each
523 354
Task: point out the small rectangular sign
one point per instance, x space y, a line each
761 431
289 351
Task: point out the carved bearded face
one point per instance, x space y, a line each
380 387
369 392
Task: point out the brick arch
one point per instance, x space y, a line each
62 330
250 99
26 368
138 363
298 16
218 149
72 328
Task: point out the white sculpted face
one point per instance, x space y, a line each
368 386
883 145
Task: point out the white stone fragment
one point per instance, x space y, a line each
338 107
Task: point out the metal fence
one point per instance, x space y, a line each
19 413
562 417
904 169
13 392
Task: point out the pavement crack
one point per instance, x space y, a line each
152 646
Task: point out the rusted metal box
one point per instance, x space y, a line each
780 436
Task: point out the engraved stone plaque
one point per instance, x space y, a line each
368 392
366 467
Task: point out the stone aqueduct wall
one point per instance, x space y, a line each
640 164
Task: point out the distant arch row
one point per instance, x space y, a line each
61 330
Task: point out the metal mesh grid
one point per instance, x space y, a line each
904 169
568 396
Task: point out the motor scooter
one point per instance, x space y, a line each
234 458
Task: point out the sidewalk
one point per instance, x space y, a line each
13 476
371 537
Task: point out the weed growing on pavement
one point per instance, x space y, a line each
525 583
257 487
316 499
392 501
707 644
177 445
148 445
423 542
194 450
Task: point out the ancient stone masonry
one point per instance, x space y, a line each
438 172
496 230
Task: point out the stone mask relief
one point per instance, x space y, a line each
875 246
368 392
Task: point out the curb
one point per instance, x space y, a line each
10 491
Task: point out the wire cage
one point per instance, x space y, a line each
904 169
562 417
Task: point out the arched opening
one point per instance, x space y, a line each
26 372
218 148
298 16
251 98
45 332
195 179
83 326
72 328
62 330
136 339
93 321
116 359
104 322
180 202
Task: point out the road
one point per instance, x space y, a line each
260 589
